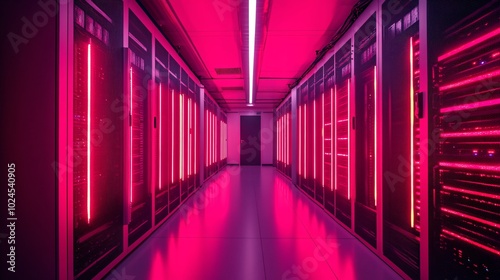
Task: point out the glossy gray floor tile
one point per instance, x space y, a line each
251 223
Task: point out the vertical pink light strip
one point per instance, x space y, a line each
159 146
332 153
188 126
89 119
173 133
314 138
207 146
349 138
305 141
195 140
211 139
278 140
375 132
131 137
323 139
181 138
412 116
288 138
336 154
300 139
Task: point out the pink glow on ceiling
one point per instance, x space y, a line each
213 40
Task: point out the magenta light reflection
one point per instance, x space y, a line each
470 106
470 166
470 44
471 80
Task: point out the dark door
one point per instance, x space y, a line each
249 140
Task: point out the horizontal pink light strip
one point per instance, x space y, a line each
470 106
465 239
465 191
471 80
470 44
470 134
456 213
464 165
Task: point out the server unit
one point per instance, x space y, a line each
343 126
96 133
283 138
365 123
329 135
163 130
466 165
214 120
140 125
400 140
318 138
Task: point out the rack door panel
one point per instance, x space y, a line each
467 164
401 139
97 134
365 71
343 133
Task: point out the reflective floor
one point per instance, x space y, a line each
251 223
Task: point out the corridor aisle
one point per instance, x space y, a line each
251 223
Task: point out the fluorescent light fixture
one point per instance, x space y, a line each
252 18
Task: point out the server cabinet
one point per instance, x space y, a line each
401 140
365 123
190 136
223 139
329 135
466 167
174 121
212 146
96 138
304 132
343 125
140 193
283 138
183 134
307 96
318 122
163 127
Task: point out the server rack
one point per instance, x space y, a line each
401 188
140 217
318 122
163 127
95 133
283 138
214 120
466 168
343 125
329 135
366 134
174 97
223 139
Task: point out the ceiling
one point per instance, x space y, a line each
212 37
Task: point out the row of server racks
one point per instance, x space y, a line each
283 136
122 140
397 134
